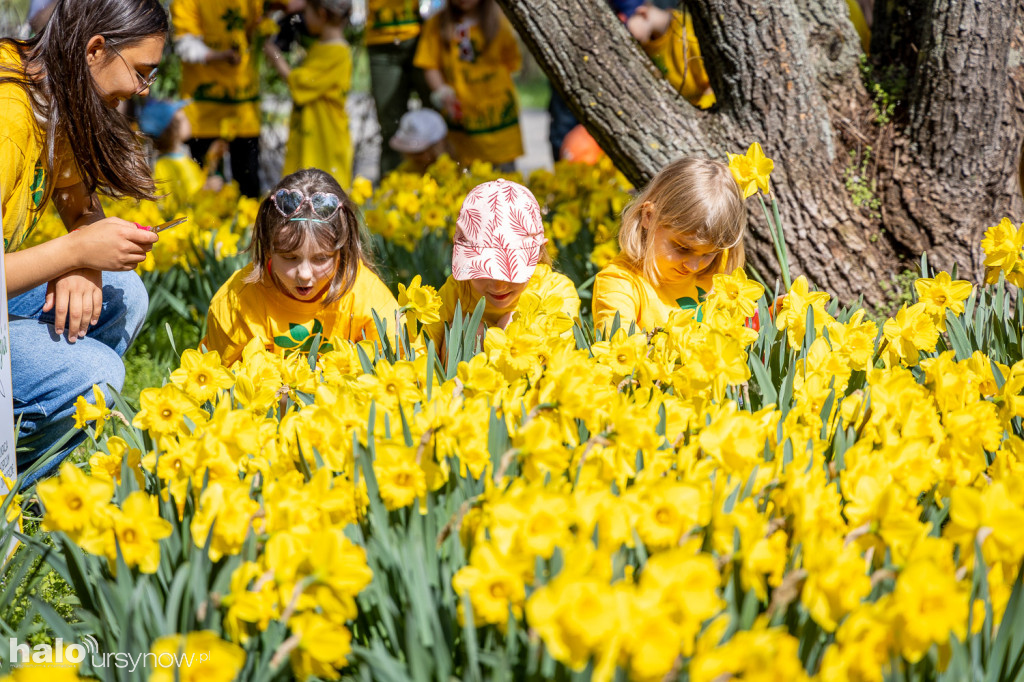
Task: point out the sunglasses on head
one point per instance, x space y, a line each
288 202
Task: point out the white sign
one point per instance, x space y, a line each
8 460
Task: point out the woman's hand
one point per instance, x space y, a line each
110 244
75 297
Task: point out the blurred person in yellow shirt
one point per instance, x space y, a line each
214 39
318 136
392 35
668 39
468 53
175 173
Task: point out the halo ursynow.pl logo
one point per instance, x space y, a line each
74 654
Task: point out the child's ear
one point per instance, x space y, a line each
646 212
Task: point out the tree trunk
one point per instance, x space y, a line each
953 170
786 74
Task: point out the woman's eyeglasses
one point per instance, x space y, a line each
144 82
288 202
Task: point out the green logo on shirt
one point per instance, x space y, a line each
300 338
687 303
233 19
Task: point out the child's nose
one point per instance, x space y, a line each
696 262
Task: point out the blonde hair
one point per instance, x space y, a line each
696 198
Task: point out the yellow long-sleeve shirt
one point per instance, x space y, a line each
622 288
480 72
225 97
676 53
545 282
319 136
391 21
241 311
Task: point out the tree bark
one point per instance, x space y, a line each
786 74
959 146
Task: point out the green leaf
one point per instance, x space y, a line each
958 337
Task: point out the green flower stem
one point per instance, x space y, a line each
787 280
777 242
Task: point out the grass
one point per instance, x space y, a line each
534 93
51 589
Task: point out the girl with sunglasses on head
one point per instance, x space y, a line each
310 274
63 139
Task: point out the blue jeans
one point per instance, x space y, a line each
48 373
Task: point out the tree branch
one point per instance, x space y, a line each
760 67
610 84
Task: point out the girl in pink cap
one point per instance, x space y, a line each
499 254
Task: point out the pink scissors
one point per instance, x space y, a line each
163 226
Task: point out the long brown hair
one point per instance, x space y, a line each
108 154
490 20
344 233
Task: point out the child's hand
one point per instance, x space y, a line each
215 153
230 56
504 320
214 183
639 27
444 99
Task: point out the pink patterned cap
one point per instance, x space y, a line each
499 234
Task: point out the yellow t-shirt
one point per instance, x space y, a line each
225 97
481 75
620 287
319 137
23 161
179 177
241 311
391 21
544 282
677 55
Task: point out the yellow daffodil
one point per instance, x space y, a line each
201 375
97 410
909 333
1002 245
940 294
752 170
420 302
209 658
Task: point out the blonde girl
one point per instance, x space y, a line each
310 274
686 226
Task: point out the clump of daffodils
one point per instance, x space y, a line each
714 497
